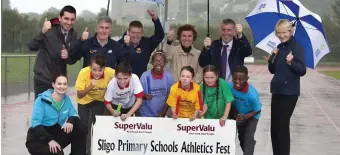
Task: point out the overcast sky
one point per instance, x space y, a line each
39 6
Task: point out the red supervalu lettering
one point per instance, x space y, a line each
138 126
188 128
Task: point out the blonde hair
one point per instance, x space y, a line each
285 25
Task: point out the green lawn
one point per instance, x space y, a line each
18 69
332 73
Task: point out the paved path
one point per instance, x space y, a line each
315 125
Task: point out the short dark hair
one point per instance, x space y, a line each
158 52
69 9
228 21
59 74
99 60
241 69
135 23
190 69
123 67
187 27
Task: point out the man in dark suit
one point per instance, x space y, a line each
227 52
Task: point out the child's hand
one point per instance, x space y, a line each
193 118
174 116
240 118
115 113
201 113
222 121
123 117
147 96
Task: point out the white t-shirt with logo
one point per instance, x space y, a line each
125 96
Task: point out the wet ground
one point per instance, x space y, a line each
315 124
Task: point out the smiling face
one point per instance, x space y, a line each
103 30
240 80
227 32
67 20
284 30
158 63
187 38
96 71
60 85
123 79
210 78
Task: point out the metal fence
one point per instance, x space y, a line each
17 75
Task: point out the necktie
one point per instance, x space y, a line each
224 60
65 36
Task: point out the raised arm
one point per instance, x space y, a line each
158 35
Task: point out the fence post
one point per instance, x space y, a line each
29 77
5 77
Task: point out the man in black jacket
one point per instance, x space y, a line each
55 45
227 52
143 46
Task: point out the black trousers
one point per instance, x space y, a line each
246 133
282 107
87 114
40 87
76 138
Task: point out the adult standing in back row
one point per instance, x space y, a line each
55 43
143 46
227 52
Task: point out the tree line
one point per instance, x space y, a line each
19 28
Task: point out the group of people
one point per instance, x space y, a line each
211 83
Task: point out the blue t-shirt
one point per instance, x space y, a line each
159 89
246 102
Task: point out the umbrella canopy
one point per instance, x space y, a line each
308 27
148 1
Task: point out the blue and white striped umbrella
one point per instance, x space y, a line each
308 27
148 1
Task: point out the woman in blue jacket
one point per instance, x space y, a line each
55 123
287 64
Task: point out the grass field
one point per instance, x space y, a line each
332 73
19 67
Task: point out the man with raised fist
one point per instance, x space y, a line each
228 51
56 44
143 46
102 44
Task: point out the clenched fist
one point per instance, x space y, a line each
127 38
64 53
85 35
207 42
171 34
47 26
238 31
152 14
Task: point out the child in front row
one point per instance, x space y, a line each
217 96
248 107
185 97
124 94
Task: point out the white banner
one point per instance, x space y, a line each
155 136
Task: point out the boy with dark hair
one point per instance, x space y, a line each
248 108
91 85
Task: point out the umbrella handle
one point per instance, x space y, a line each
208 35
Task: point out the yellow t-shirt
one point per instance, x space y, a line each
98 92
189 100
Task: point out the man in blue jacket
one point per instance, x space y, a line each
227 52
143 46
102 44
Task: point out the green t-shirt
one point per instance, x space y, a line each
216 109
56 104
